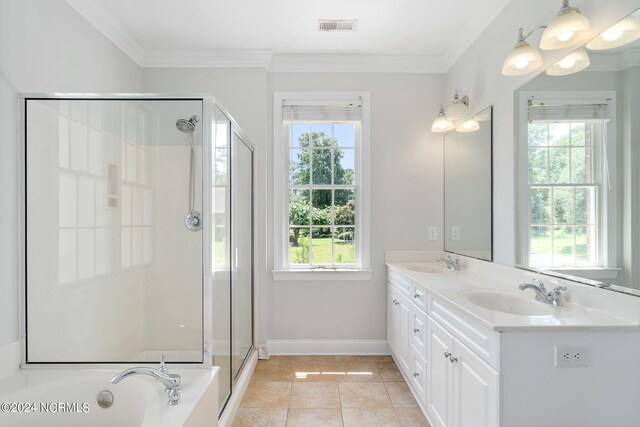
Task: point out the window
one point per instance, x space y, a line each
566 188
322 197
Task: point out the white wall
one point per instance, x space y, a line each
406 197
478 74
45 46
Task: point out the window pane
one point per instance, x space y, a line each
321 247
220 167
586 245
577 133
344 135
321 135
538 134
559 165
298 135
299 240
538 173
563 245
322 169
581 165
585 205
321 207
299 205
345 166
540 246
559 134
344 245
299 166
345 206
540 205
563 206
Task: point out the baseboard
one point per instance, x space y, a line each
9 358
229 414
320 347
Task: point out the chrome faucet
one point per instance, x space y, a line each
171 382
553 297
452 264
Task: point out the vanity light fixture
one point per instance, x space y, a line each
622 33
458 109
469 126
576 61
523 59
568 28
441 124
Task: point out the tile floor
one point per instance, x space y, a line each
328 391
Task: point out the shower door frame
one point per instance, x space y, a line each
208 105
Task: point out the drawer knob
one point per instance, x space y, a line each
453 359
395 301
416 374
447 354
416 330
417 296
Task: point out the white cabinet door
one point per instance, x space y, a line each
419 374
392 319
439 374
475 390
403 352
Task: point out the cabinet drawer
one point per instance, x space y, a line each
482 340
419 330
419 297
419 375
399 281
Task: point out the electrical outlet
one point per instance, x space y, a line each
455 233
433 233
571 357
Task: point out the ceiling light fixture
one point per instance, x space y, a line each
469 126
441 124
568 28
523 59
458 109
576 61
622 33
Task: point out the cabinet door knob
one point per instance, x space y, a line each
447 354
416 330
453 359
416 374
417 296
395 301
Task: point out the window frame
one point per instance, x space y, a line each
606 202
281 269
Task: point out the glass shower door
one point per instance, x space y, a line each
242 252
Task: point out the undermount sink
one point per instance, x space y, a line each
506 303
427 268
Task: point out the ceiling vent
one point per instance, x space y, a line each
337 24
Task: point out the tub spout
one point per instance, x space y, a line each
171 382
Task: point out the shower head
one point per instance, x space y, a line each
187 125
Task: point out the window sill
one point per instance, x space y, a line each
320 275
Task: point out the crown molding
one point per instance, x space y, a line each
469 32
614 61
108 25
209 58
344 63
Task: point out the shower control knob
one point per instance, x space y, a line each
193 221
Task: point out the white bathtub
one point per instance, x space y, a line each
138 400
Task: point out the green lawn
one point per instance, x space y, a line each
563 243
321 250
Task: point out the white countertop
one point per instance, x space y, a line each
452 286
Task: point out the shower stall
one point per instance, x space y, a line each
138 234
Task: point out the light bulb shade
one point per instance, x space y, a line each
567 29
523 59
441 124
470 125
576 61
457 111
622 33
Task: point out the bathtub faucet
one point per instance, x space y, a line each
171 382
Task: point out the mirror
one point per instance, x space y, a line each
468 188
578 148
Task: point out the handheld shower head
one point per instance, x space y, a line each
187 125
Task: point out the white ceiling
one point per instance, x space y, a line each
420 33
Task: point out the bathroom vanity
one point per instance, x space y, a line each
477 351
